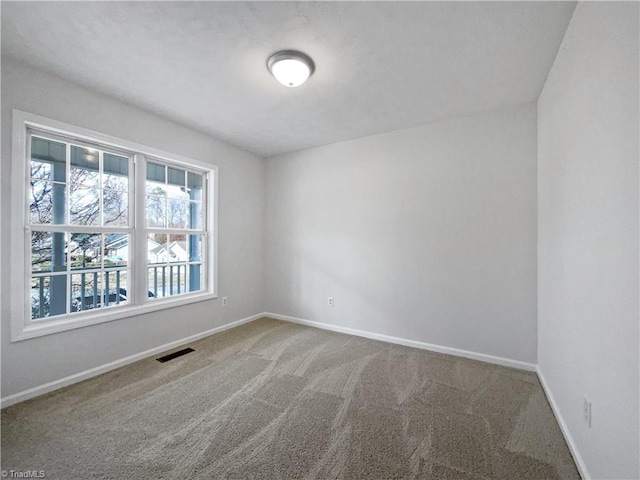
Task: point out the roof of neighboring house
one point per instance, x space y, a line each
152 243
117 240
178 243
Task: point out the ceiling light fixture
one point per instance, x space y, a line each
290 68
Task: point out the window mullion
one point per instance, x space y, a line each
67 187
139 267
77 228
101 187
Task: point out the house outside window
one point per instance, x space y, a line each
109 228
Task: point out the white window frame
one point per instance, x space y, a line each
22 327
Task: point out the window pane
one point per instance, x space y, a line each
86 291
156 180
159 189
116 182
175 177
177 279
194 220
48 252
116 172
116 207
116 250
194 188
168 273
176 184
195 182
48 160
41 170
115 287
40 297
195 248
156 207
178 248
196 270
41 244
85 166
84 206
156 247
85 251
48 150
187 280
176 192
177 213
48 296
47 203
156 173
196 277
47 198
157 281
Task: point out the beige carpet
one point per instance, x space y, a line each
271 400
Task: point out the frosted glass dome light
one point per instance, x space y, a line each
290 68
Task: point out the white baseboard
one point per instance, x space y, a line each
573 448
506 362
92 372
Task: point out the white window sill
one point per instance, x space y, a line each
68 322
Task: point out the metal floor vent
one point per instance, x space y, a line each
173 355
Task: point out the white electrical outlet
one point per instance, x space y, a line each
586 411
225 301
330 302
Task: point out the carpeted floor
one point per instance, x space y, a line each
271 400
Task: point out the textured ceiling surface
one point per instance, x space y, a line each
380 66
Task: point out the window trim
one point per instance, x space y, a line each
21 327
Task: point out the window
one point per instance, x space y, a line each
173 209
78 199
110 228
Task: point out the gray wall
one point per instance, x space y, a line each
30 363
426 234
588 235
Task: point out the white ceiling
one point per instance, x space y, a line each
380 66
